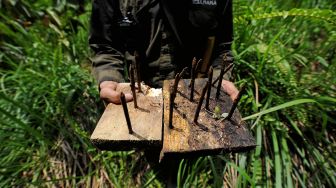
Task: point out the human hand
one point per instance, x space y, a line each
109 93
230 89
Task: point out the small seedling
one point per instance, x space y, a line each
217 113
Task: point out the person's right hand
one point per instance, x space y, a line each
109 93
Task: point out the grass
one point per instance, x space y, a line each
284 51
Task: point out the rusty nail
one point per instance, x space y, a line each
137 69
235 102
220 78
177 79
192 81
133 86
183 72
225 71
210 74
199 105
124 104
219 86
193 68
173 95
194 63
198 66
171 108
192 90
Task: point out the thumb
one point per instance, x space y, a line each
230 89
112 96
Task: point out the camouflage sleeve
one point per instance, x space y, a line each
105 41
224 38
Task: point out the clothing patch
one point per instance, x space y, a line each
204 2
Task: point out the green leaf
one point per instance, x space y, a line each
277 160
279 107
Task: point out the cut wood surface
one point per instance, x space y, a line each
208 135
111 132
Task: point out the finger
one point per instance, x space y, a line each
109 95
230 89
128 97
123 85
109 84
112 96
234 95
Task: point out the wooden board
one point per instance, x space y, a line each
209 135
111 132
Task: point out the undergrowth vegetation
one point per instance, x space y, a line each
285 51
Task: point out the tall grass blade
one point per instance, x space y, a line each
279 107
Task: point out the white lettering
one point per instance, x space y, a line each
205 2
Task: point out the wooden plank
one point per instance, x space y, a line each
209 135
111 132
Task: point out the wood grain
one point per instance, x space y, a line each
209 135
111 132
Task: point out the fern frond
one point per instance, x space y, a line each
323 14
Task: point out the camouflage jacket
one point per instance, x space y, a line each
167 34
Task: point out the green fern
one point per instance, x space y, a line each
325 15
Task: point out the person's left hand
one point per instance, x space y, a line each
230 89
109 93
